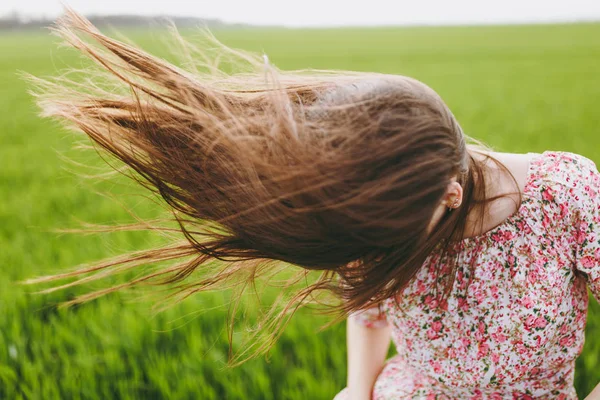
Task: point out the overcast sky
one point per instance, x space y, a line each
331 12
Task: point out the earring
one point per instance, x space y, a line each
454 205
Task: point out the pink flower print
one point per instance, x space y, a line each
545 221
421 287
436 365
527 302
533 276
511 260
484 349
501 237
431 334
431 301
567 341
547 195
591 237
436 326
444 304
480 296
529 322
540 322
521 349
495 291
481 327
478 335
499 337
588 262
563 210
465 342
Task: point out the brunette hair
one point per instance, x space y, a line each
328 171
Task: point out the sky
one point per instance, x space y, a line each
296 13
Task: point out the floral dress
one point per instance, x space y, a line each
512 328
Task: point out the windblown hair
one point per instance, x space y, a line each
335 172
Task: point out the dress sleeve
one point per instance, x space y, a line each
373 317
586 194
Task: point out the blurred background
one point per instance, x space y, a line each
523 76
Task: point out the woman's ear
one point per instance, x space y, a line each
454 195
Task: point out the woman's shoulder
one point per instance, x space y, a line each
561 185
563 168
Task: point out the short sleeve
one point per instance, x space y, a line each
373 317
585 193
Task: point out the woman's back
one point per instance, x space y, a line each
514 328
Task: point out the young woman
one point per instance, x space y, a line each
475 263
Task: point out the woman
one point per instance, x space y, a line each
475 263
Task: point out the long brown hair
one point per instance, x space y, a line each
336 172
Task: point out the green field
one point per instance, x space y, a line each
517 88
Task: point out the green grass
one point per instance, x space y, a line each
517 88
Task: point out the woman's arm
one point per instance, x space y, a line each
595 394
367 350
